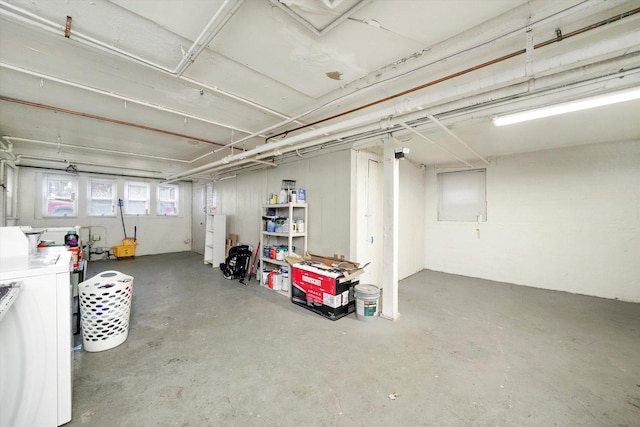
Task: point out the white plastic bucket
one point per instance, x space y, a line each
366 302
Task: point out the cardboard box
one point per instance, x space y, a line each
324 285
349 269
231 242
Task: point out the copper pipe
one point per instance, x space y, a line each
107 119
465 71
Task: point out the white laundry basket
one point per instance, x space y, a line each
105 307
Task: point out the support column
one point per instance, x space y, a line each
390 232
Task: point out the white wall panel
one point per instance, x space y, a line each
565 219
325 178
411 245
411 215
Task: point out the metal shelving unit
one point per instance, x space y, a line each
214 240
288 238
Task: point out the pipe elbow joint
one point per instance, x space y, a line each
385 123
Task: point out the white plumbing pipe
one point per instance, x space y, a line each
384 120
104 150
51 26
456 137
7 148
415 132
19 158
116 96
197 47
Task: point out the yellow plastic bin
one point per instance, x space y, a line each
126 249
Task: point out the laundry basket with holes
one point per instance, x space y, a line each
105 307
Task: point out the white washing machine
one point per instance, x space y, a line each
36 340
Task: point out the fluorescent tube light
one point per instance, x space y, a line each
567 107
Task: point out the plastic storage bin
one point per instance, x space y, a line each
105 308
126 249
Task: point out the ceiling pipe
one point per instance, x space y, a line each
568 11
104 150
50 26
465 71
19 158
391 124
53 26
198 45
263 162
236 141
446 129
387 117
419 135
116 96
296 142
187 59
8 149
559 14
59 29
541 66
106 119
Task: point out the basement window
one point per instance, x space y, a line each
462 196
136 198
168 198
59 196
102 195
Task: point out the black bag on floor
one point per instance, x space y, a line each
236 265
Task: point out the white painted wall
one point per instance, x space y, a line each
326 179
155 234
411 246
565 219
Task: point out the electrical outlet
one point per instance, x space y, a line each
95 237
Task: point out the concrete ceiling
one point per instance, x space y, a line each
203 88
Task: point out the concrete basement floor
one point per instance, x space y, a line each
205 351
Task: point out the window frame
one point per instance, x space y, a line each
467 207
175 200
128 199
90 198
65 203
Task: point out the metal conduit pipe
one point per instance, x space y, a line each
19 158
50 26
46 24
297 142
187 59
456 137
466 70
198 45
105 119
104 150
415 132
116 96
566 11
285 146
387 123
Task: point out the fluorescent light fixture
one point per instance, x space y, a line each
567 107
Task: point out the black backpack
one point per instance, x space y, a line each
236 265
